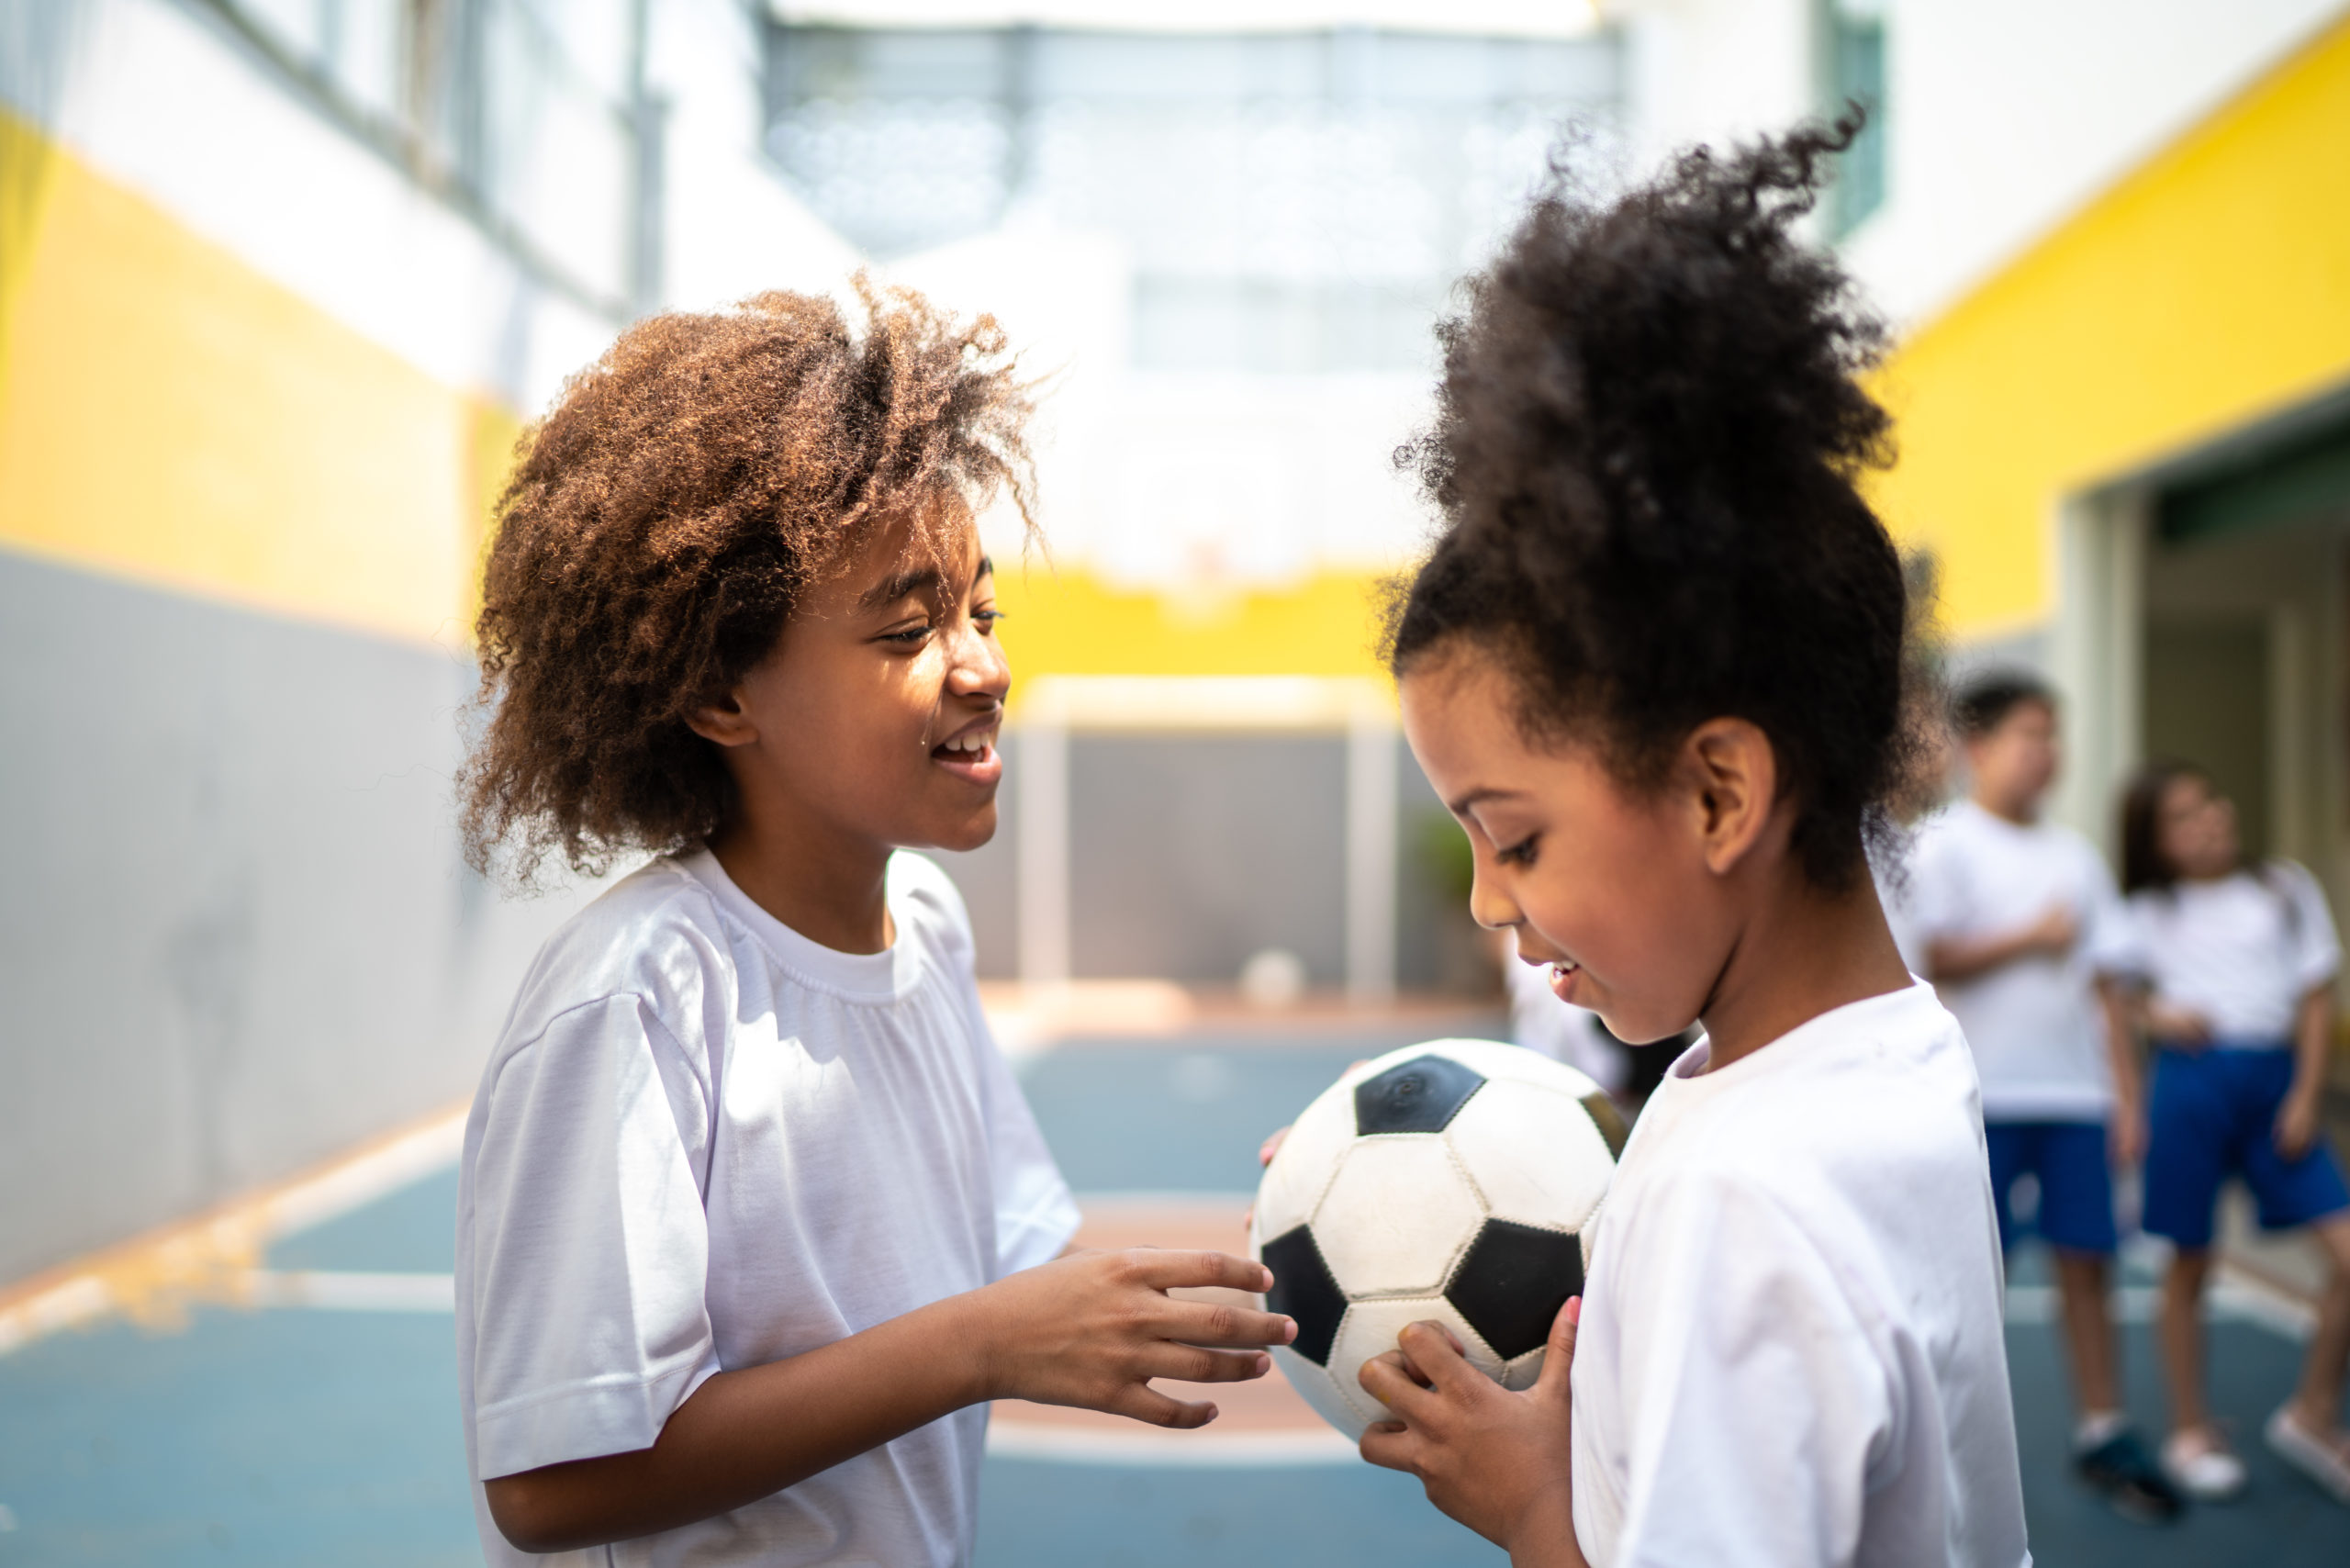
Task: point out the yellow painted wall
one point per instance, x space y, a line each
1066 622
2210 287
168 413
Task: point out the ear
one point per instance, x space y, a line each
1735 775
724 720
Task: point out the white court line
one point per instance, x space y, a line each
1207 1449
339 1290
210 1257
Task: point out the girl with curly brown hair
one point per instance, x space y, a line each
753 1220
1655 665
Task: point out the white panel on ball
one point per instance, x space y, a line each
1398 1211
1372 1328
1491 1136
1299 1175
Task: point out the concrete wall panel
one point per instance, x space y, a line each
237 936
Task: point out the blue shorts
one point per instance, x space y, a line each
2067 1158
2212 1115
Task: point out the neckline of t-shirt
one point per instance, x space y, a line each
1687 1074
853 977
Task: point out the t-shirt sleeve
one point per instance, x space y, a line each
2317 946
1035 1214
589 1240
1761 1408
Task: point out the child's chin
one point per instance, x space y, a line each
969 833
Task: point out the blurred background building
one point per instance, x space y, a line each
281 281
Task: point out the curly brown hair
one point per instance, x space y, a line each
1646 445
662 520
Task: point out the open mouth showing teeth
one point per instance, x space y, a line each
973 746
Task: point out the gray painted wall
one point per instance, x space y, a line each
235 933
1191 852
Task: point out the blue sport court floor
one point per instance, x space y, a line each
327 1433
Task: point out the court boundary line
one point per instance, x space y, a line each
153 1278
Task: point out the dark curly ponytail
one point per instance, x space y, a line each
1646 447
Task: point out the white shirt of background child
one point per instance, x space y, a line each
2242 951
2034 1024
1791 1347
706 1143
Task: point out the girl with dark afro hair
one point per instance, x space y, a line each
1655 665
753 1219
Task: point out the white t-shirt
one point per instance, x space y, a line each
2037 1035
2242 951
704 1143
1790 1350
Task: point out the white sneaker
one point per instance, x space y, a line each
2309 1454
2200 1466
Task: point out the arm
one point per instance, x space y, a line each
1964 957
2118 1009
1086 1330
2297 1118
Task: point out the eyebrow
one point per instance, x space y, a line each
1459 808
905 584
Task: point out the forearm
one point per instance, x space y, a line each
2118 1013
1548 1540
746 1434
2312 1041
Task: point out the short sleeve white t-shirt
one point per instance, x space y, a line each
704 1143
2034 1024
1791 1348
2241 950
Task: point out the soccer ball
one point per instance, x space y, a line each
1455 1181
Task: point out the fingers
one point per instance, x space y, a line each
1142 1403
1436 1354
1559 1359
1271 1145
1217 1323
1190 1363
1385 1379
1392 1445
1170 1269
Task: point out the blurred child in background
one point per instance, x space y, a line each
2239 961
2017 921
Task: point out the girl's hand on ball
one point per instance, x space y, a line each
1497 1461
1093 1328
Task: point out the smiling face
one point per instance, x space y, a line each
1614 887
873 723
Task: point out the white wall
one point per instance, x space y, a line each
2006 115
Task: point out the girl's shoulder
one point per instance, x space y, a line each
657 934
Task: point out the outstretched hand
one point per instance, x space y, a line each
1093 1328
1496 1461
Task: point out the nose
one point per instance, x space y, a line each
1492 908
976 665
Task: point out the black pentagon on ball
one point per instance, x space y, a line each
1304 1289
1421 1095
1511 1282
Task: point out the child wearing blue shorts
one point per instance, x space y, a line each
2020 928
2239 963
